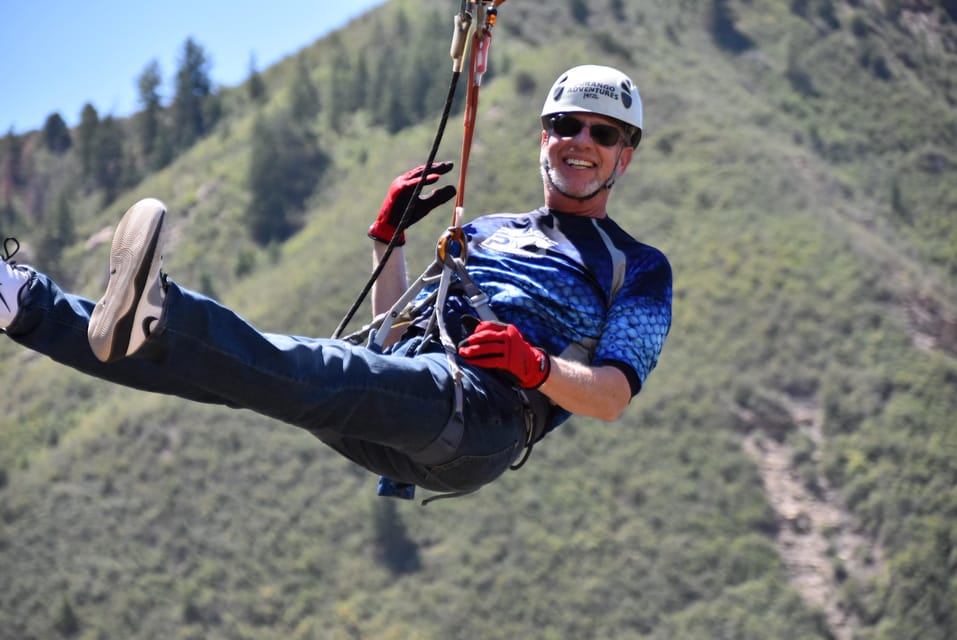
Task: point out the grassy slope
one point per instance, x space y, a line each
794 275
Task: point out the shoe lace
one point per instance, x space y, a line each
8 253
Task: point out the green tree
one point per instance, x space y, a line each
360 82
255 86
305 96
617 8
109 164
580 11
193 91
11 162
56 135
65 620
724 28
341 92
87 137
286 164
423 91
153 139
8 213
58 234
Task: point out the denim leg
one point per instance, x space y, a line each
375 409
54 323
313 383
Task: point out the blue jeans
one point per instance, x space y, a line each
389 413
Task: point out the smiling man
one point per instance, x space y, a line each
582 310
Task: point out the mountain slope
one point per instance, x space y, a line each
798 169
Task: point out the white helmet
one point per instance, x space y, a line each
596 89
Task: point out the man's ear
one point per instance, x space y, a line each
625 159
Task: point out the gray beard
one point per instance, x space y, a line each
550 175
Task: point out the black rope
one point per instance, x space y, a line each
403 222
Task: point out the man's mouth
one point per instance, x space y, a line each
580 164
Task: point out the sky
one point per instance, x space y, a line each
58 55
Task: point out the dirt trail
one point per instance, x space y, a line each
816 539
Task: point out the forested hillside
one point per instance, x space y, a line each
788 471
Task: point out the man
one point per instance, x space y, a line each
583 312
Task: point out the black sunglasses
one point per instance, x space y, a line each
568 127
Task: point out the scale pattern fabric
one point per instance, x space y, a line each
581 288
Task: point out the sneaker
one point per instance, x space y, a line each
121 320
13 278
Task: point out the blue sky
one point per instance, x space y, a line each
57 55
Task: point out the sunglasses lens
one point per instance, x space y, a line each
568 127
604 134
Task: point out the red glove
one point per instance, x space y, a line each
400 193
494 345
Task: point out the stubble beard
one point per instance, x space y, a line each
554 177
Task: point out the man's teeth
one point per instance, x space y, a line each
578 163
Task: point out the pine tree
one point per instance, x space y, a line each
286 165
11 162
109 164
153 141
255 86
65 620
580 11
341 96
56 135
360 82
58 234
724 28
305 97
87 138
193 90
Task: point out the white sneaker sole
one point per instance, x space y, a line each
135 259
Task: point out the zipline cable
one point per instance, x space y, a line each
463 23
481 42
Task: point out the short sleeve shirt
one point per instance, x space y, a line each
577 287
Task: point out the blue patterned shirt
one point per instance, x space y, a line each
580 288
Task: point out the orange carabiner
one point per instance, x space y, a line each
452 244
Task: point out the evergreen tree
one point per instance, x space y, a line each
193 90
435 40
415 83
617 8
580 11
340 96
56 135
255 86
153 140
109 164
65 620
386 101
360 82
87 137
8 213
58 234
286 164
305 96
724 28
11 162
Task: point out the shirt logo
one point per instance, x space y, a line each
519 242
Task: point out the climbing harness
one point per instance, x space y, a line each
476 17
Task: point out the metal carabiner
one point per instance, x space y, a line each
452 245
